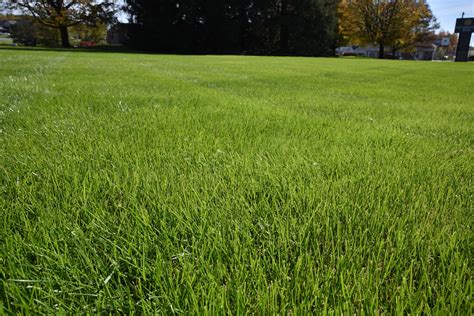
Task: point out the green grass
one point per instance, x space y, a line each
139 183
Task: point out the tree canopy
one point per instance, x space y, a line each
272 27
61 14
395 23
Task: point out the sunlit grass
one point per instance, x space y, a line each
185 184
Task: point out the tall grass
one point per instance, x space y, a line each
181 184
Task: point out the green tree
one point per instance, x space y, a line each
270 27
28 32
96 34
62 14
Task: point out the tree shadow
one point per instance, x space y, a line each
96 49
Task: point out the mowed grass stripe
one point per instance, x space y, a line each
161 183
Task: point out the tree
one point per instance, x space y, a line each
28 32
453 41
395 23
62 14
444 49
419 27
270 27
96 34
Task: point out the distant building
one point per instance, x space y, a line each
118 34
421 51
424 51
362 51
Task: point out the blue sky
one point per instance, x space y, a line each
447 11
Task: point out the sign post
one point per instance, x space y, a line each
464 27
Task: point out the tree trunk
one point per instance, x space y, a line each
64 37
284 28
381 51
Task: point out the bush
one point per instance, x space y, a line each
28 32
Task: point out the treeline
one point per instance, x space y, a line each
260 27
26 30
267 27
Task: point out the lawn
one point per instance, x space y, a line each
139 183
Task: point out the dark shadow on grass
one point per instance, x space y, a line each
126 50
104 49
96 49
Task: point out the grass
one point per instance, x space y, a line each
135 183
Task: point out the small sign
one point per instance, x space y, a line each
464 25
445 41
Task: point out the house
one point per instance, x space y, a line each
424 51
367 51
363 51
421 51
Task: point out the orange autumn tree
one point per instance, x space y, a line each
395 23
